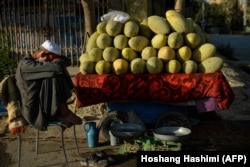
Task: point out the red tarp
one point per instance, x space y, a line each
93 88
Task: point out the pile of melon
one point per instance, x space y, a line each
174 44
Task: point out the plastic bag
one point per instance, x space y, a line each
116 16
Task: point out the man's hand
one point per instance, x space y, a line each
52 57
41 55
36 54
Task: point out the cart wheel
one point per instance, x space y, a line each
109 118
172 119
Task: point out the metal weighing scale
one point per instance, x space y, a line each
163 139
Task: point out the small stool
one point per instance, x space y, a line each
61 125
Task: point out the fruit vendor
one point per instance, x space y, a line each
45 86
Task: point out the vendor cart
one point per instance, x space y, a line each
155 98
150 114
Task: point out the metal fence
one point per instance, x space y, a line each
25 24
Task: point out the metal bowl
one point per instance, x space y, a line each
127 130
171 133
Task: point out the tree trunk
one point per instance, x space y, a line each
89 16
89 20
180 6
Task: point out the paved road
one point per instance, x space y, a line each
240 44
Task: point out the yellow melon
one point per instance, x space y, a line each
190 25
103 67
87 67
184 53
148 52
166 53
111 54
144 30
120 66
201 33
84 57
189 67
138 43
154 65
172 12
173 66
176 21
159 40
203 52
95 54
114 28
131 29
138 66
91 43
101 27
192 40
133 19
158 24
175 40
104 40
211 65
128 54
120 41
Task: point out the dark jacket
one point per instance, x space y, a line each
43 87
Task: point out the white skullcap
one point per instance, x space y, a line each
51 47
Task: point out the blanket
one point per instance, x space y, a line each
10 95
169 88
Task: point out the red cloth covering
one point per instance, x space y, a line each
93 88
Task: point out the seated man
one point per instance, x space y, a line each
45 86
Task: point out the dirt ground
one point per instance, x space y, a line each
49 153
210 135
